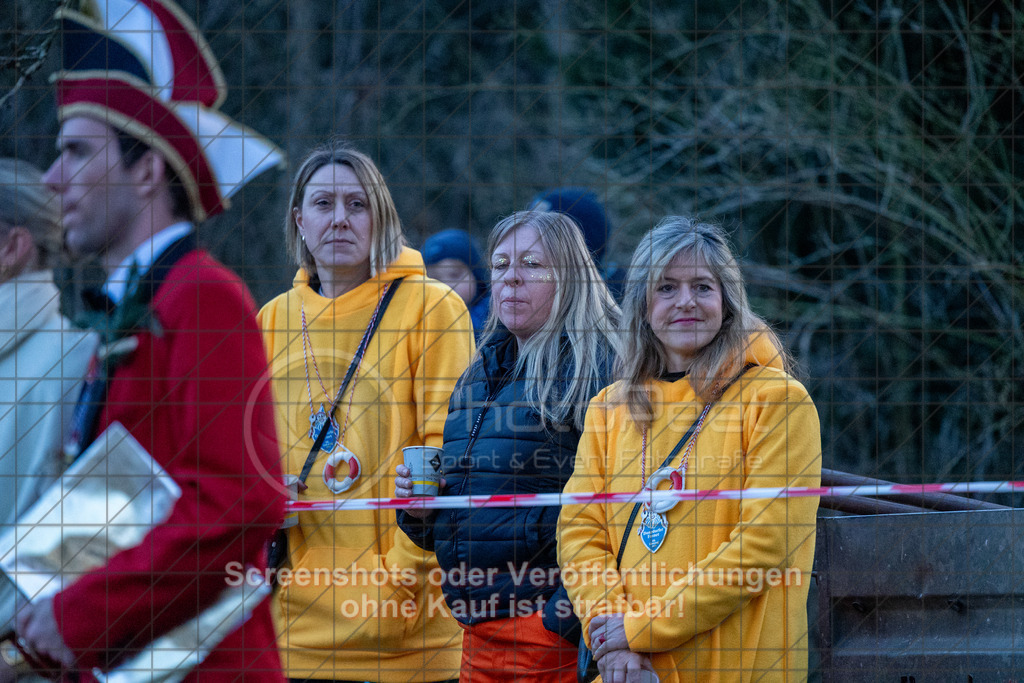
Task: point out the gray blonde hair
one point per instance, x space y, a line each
643 357
386 237
26 202
561 377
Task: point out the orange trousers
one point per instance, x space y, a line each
516 649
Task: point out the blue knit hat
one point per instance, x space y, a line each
460 245
582 206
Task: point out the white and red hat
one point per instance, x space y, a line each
143 67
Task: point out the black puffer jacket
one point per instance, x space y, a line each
512 453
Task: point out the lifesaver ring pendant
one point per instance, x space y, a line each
660 475
331 480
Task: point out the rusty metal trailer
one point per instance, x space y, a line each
915 595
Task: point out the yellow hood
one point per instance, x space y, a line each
761 351
408 263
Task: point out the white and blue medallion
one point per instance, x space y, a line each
653 528
317 422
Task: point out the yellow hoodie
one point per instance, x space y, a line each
357 604
724 598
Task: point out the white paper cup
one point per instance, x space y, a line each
291 482
649 677
424 463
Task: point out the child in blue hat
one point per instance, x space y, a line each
452 257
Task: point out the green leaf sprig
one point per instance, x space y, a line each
120 329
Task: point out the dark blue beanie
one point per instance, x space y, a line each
460 245
583 207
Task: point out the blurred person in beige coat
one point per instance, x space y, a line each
43 358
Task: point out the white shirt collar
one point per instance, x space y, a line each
143 257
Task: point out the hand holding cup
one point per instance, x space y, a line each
419 476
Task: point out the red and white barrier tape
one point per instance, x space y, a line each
542 499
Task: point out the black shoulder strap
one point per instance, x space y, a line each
382 306
670 458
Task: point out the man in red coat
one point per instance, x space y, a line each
140 162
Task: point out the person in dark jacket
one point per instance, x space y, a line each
582 206
452 257
513 425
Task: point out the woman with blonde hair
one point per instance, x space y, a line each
43 358
715 589
513 426
365 351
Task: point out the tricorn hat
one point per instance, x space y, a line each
144 68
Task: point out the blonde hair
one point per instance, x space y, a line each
562 376
386 237
26 202
643 357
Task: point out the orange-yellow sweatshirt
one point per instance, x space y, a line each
724 598
357 604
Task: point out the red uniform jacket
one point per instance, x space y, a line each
197 397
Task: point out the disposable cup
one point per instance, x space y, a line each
291 482
424 463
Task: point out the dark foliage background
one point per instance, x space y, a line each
865 155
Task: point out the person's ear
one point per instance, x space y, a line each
148 174
7 250
17 252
